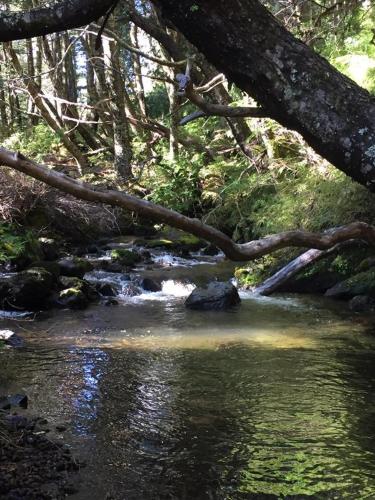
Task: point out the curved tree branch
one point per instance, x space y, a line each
211 109
234 251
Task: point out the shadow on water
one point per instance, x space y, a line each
273 399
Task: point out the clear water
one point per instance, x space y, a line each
273 399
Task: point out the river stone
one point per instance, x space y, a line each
150 285
49 248
84 286
359 284
74 267
217 295
106 290
72 298
362 303
6 334
111 267
27 289
125 257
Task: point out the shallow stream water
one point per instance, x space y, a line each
273 399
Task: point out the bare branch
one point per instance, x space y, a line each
211 109
234 251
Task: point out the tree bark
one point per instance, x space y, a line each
44 20
296 86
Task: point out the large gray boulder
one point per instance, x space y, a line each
216 296
359 284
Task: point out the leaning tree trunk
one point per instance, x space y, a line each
296 86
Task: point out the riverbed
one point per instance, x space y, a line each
273 398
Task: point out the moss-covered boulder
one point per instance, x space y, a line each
74 267
359 284
177 242
72 298
26 290
128 258
157 243
51 267
66 282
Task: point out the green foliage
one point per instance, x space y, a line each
125 257
176 184
13 244
157 102
36 143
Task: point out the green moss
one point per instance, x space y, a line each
125 257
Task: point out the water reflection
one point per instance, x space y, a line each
274 399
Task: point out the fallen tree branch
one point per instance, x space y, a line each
234 251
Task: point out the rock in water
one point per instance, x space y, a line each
216 296
359 284
6 334
26 290
74 267
151 285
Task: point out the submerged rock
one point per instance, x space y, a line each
75 267
359 284
217 295
27 289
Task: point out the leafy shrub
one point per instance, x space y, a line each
36 143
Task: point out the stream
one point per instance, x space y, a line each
273 399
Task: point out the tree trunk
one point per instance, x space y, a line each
296 86
121 134
45 111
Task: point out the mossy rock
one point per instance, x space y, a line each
185 242
26 290
159 243
69 282
125 257
75 267
360 284
73 298
51 267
